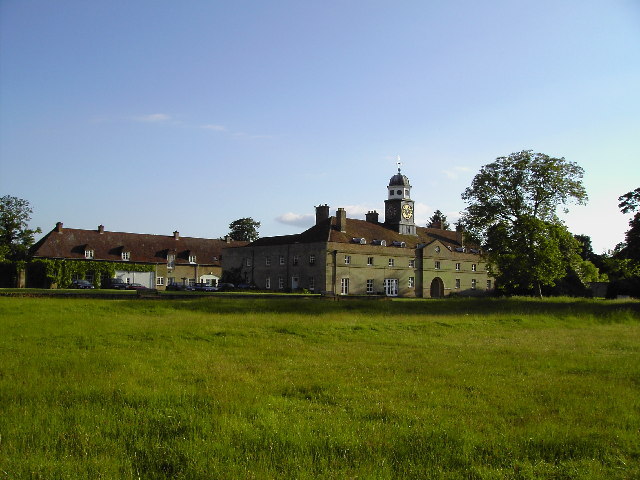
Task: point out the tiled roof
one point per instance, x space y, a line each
72 243
326 231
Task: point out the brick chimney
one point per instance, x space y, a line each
59 227
372 216
322 213
100 229
176 235
341 220
460 235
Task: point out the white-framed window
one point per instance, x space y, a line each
312 259
159 281
170 280
370 285
488 284
192 259
392 262
473 284
457 267
312 284
281 258
192 282
347 259
281 283
171 261
457 283
369 261
247 262
295 259
88 254
344 286
126 256
412 282
437 265
473 267
267 261
412 263
267 283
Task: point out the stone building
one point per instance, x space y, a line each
340 255
165 259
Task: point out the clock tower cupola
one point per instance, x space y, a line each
398 207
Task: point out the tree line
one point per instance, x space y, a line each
511 214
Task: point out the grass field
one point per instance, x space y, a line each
282 388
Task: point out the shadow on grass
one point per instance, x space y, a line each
602 309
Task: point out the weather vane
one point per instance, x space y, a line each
398 163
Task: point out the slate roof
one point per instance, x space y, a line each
326 231
144 248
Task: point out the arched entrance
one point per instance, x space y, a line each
437 288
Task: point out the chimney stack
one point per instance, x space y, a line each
59 227
322 213
176 235
372 216
341 220
100 229
227 239
460 235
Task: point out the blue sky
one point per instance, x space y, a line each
155 116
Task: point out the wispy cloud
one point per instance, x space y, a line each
455 172
422 214
223 129
153 118
297 219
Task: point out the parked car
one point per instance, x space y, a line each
204 287
118 284
81 284
136 286
225 287
179 287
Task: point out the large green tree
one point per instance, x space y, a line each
244 229
630 202
15 235
511 212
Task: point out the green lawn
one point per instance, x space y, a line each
282 388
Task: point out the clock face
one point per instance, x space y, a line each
391 211
407 211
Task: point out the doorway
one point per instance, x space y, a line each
437 288
391 287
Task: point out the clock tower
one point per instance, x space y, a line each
398 208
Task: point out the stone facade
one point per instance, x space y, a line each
170 258
346 256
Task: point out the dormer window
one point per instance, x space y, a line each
88 254
126 256
192 259
171 261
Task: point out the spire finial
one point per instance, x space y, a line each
398 163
